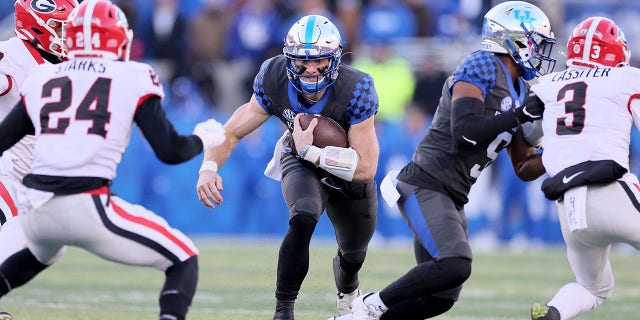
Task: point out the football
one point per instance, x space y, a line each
327 132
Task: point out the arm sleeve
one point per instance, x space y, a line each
15 126
468 121
169 146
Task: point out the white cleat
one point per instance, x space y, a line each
344 300
363 311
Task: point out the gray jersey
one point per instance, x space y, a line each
439 163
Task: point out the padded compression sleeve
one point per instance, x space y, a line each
15 126
169 146
469 124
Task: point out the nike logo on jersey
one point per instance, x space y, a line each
568 179
469 140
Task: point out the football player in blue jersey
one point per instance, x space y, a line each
309 78
483 105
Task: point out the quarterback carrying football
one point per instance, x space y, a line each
309 78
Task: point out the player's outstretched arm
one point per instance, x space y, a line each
244 120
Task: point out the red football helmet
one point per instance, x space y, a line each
98 29
597 42
41 22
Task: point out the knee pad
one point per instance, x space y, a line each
459 269
352 261
179 289
307 206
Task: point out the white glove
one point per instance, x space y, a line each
6 163
211 132
532 133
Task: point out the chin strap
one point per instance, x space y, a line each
341 162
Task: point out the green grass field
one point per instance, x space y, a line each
237 279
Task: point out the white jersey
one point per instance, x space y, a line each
83 112
590 108
16 60
589 114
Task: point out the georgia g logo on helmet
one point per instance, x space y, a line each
43 6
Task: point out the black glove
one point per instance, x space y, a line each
531 110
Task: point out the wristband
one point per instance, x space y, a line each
304 150
208 165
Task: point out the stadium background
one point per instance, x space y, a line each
209 52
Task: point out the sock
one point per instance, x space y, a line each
375 300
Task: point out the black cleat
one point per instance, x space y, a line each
540 311
284 310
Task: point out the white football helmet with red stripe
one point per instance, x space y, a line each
98 28
597 42
41 22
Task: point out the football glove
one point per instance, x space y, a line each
532 109
211 132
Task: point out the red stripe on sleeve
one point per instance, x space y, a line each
10 80
4 194
143 99
633 97
152 225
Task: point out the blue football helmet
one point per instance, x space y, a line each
522 31
313 37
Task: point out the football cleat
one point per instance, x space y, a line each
363 311
5 315
344 301
541 311
284 310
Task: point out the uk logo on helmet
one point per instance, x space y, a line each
43 6
524 17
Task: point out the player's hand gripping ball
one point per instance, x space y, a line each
327 132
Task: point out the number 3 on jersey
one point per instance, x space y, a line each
99 115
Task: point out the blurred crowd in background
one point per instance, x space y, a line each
209 51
